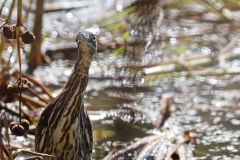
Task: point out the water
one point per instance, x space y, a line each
205 106
122 110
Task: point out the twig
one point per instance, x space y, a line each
31 152
8 110
34 158
108 156
13 147
226 49
6 150
6 21
186 65
34 102
169 154
148 148
33 92
3 4
165 110
28 10
5 122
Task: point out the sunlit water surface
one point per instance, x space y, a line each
122 111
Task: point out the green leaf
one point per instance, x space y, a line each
118 50
116 26
118 15
181 49
125 35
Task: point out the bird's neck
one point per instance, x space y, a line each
78 79
83 60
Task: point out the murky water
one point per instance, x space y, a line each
212 114
122 112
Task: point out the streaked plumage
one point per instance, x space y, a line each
64 128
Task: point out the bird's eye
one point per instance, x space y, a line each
94 38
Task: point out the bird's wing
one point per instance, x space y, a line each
89 133
42 127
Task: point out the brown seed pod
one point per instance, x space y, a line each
13 88
26 81
10 31
28 37
7 32
25 124
21 85
23 88
18 130
13 123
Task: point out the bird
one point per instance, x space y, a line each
64 128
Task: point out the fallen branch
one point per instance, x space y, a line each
31 152
132 147
31 100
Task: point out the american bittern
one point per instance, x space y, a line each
64 128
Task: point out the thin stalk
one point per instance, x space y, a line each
3 40
3 4
20 110
18 32
14 43
28 10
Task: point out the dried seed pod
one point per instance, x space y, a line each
28 37
21 85
26 81
18 130
23 88
25 124
13 88
12 124
7 32
10 32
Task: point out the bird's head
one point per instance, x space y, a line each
87 43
